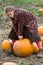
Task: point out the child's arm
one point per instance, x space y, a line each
11 41
21 21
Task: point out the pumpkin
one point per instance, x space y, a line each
6 45
9 63
35 47
40 10
42 38
40 30
23 47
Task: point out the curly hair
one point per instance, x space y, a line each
8 8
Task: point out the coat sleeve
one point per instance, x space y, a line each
21 20
36 34
34 29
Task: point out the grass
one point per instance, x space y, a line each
24 63
1 11
27 4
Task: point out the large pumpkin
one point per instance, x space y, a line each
23 47
40 30
35 47
6 45
9 63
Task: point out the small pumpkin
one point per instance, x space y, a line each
9 63
23 47
40 10
42 38
40 30
35 47
6 45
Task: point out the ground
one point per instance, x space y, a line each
5 26
30 60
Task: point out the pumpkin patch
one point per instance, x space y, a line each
21 48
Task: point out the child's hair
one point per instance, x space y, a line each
8 9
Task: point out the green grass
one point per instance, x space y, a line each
1 11
24 63
26 4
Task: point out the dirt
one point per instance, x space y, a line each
4 57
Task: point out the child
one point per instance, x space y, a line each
24 25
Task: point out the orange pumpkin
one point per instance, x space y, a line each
35 47
40 30
6 45
23 47
9 63
42 38
40 10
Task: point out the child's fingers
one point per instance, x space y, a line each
10 41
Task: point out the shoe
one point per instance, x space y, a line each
40 55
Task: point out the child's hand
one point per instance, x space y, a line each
20 37
34 44
10 41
